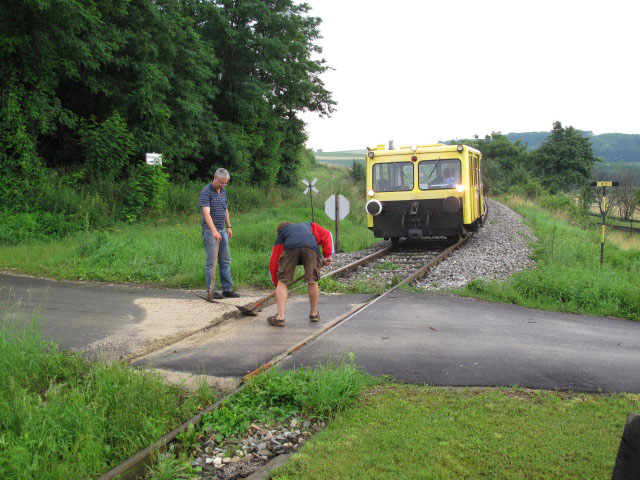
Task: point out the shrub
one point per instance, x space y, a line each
357 172
530 190
16 228
107 146
146 188
21 170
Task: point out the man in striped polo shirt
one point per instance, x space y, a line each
215 215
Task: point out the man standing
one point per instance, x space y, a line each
215 215
297 244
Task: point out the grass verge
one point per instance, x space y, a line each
568 277
409 432
169 251
63 417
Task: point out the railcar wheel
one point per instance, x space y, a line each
395 241
453 238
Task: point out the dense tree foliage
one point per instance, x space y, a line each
565 159
91 86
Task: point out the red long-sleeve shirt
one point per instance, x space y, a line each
298 235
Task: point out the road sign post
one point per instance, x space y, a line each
336 207
310 190
603 211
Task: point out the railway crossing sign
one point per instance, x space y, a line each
310 186
336 207
310 190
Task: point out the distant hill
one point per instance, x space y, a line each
610 147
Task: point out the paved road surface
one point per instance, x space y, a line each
421 338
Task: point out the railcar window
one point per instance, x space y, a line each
393 177
439 174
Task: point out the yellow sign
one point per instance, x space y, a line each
604 184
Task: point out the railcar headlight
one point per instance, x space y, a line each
370 154
414 147
460 148
373 207
370 193
460 188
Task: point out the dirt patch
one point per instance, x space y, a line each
167 321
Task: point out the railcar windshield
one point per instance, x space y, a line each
439 174
393 177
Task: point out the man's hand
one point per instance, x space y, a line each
216 235
326 261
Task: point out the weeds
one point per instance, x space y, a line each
276 395
64 417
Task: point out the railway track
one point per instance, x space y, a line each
412 259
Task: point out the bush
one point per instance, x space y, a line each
562 202
146 188
21 170
16 228
357 172
183 197
530 190
107 146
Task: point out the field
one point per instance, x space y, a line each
341 159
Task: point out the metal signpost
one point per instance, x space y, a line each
337 208
310 190
603 211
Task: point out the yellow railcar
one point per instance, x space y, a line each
424 191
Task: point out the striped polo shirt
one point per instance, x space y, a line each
217 202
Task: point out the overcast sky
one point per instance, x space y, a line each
419 71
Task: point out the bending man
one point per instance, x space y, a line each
298 244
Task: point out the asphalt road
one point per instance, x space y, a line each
418 338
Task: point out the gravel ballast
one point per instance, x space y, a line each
495 252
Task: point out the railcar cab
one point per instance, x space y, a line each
424 191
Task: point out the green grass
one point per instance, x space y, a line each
169 252
62 417
276 395
409 432
568 277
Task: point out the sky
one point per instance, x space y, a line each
422 71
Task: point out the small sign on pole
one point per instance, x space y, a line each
310 190
154 159
337 208
603 211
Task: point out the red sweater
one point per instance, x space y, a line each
297 235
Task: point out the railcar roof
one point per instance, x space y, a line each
434 148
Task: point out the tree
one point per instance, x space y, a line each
564 160
624 195
504 163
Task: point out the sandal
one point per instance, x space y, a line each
276 322
315 318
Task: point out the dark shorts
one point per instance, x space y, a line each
299 256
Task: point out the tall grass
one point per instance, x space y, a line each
568 276
62 417
168 250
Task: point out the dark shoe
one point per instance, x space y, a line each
230 294
214 296
275 321
315 318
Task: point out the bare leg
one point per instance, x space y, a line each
314 293
281 298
